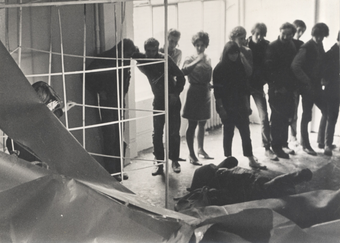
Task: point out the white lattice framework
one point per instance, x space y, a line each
119 6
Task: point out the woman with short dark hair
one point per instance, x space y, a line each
197 106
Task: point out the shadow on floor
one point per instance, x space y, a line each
326 169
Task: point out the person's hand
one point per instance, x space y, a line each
200 57
173 98
69 105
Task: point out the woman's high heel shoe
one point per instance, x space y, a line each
194 161
204 155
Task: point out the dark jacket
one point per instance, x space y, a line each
297 44
257 79
307 64
330 71
230 85
155 75
98 82
279 57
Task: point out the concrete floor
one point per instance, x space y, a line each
326 169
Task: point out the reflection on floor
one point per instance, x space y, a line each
326 169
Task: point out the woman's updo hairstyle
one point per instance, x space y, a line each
201 36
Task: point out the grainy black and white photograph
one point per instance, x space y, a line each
186 121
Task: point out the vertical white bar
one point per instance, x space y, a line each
166 102
63 67
83 87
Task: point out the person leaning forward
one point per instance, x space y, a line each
176 81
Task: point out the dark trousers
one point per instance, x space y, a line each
329 118
174 127
240 120
293 124
282 107
308 100
111 141
261 104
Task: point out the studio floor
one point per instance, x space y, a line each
326 169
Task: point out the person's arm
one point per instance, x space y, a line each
176 72
297 65
247 61
218 93
189 64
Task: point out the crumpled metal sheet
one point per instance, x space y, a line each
78 201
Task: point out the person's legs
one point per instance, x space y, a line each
174 137
307 105
228 134
277 124
157 139
111 141
190 134
261 104
200 140
293 124
284 185
243 126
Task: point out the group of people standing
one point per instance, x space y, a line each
290 68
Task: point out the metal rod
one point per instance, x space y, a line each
166 102
20 36
61 3
83 86
63 67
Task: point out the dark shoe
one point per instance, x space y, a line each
157 170
281 154
321 146
194 161
119 177
270 154
181 160
228 163
253 163
204 155
176 166
328 151
309 151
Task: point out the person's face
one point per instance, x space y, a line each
299 32
151 51
200 47
286 35
240 40
233 56
318 39
257 37
172 42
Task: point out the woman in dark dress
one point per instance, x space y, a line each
197 106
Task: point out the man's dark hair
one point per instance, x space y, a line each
261 27
151 42
320 29
288 26
201 36
174 33
299 23
338 36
